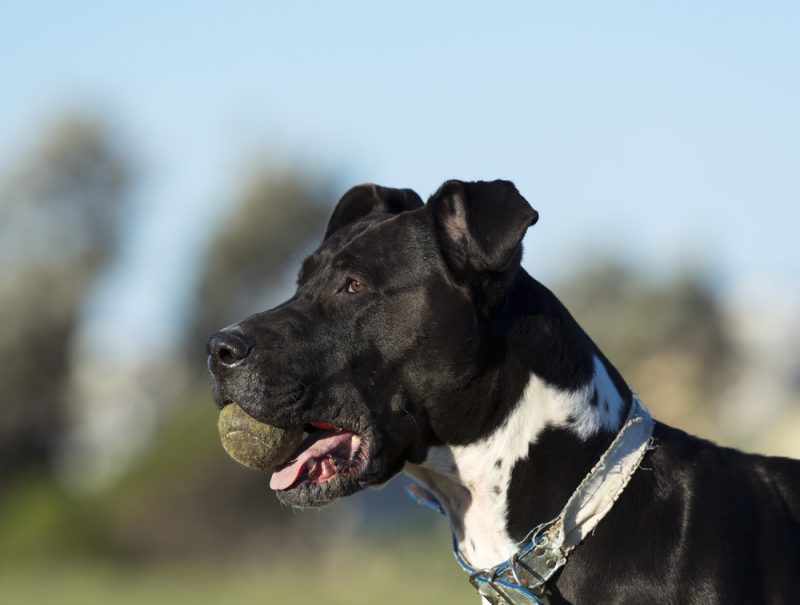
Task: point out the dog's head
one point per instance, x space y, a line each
392 324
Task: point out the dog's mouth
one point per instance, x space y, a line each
325 461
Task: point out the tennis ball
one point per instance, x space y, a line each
254 444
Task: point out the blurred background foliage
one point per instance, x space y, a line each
58 228
112 481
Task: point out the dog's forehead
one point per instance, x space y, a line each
378 242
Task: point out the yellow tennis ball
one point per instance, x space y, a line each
254 444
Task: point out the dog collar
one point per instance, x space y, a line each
522 579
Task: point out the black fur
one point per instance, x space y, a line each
363 200
438 349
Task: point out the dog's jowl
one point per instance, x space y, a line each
415 342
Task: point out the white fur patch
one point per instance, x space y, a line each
465 478
606 414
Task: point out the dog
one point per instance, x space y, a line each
416 342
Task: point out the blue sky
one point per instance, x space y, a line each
668 132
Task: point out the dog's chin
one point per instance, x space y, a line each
315 495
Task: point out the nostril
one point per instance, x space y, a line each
227 348
226 355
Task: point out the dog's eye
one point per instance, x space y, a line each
354 286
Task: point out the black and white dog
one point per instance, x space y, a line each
415 342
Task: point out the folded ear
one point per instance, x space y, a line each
362 200
480 226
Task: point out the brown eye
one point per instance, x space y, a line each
354 286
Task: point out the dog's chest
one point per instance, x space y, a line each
472 481
472 490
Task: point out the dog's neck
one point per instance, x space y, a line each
495 490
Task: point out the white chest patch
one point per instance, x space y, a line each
471 481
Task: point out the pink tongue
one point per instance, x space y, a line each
316 445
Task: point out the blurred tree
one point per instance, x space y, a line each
59 212
182 496
277 222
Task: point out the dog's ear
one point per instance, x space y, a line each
480 226
362 200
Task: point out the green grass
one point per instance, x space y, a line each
400 572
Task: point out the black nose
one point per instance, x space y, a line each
227 349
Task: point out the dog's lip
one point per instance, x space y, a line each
324 426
